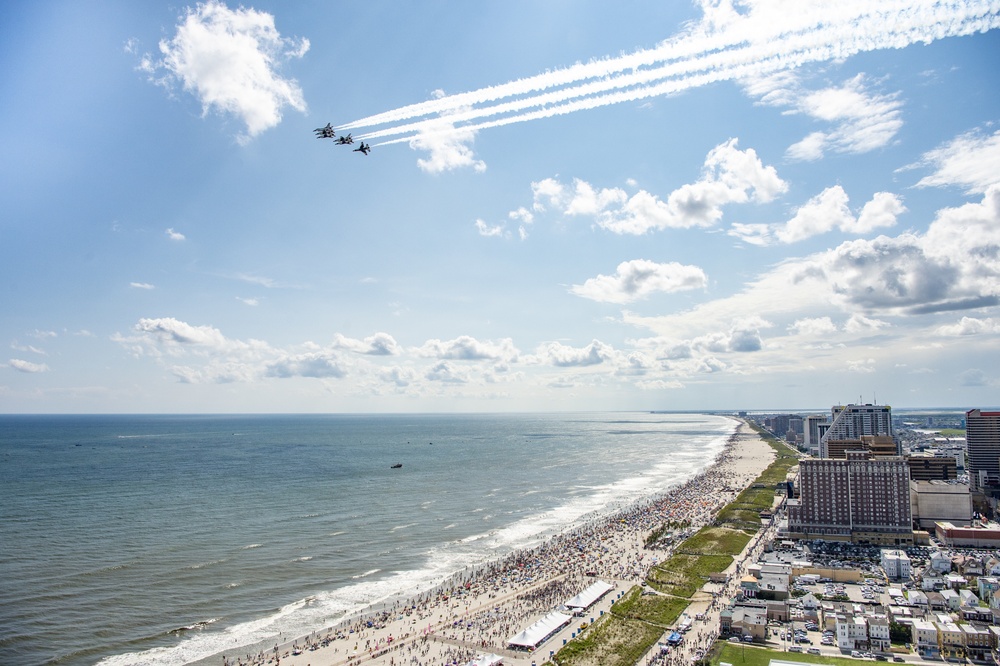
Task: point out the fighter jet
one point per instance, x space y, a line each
325 132
363 148
344 140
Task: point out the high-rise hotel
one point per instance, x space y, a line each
857 498
982 440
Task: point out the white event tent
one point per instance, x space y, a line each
486 660
586 599
531 637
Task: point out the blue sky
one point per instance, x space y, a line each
714 205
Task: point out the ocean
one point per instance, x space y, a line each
168 539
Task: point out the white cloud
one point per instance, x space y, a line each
863 366
252 302
861 121
525 218
447 373
882 285
971 326
317 364
229 60
729 176
449 148
486 230
170 331
857 323
640 278
971 160
398 375
175 235
560 355
27 348
467 348
755 234
548 193
380 344
829 210
813 327
141 285
27 366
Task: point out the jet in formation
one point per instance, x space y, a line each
325 132
329 133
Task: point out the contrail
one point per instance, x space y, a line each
753 45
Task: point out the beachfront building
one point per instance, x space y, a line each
812 431
859 499
850 422
982 440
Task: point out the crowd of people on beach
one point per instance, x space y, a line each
479 610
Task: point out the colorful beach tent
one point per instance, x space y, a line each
587 598
486 660
539 631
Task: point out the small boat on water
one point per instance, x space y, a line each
396 466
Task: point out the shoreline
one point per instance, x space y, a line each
475 611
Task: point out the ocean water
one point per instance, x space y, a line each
168 539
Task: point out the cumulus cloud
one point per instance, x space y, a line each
729 176
170 331
954 266
640 278
27 366
467 348
318 364
174 235
448 373
971 160
813 327
858 323
229 59
400 376
563 356
971 326
380 344
885 286
829 210
862 365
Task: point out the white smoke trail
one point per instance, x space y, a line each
773 37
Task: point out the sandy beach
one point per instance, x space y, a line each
474 614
